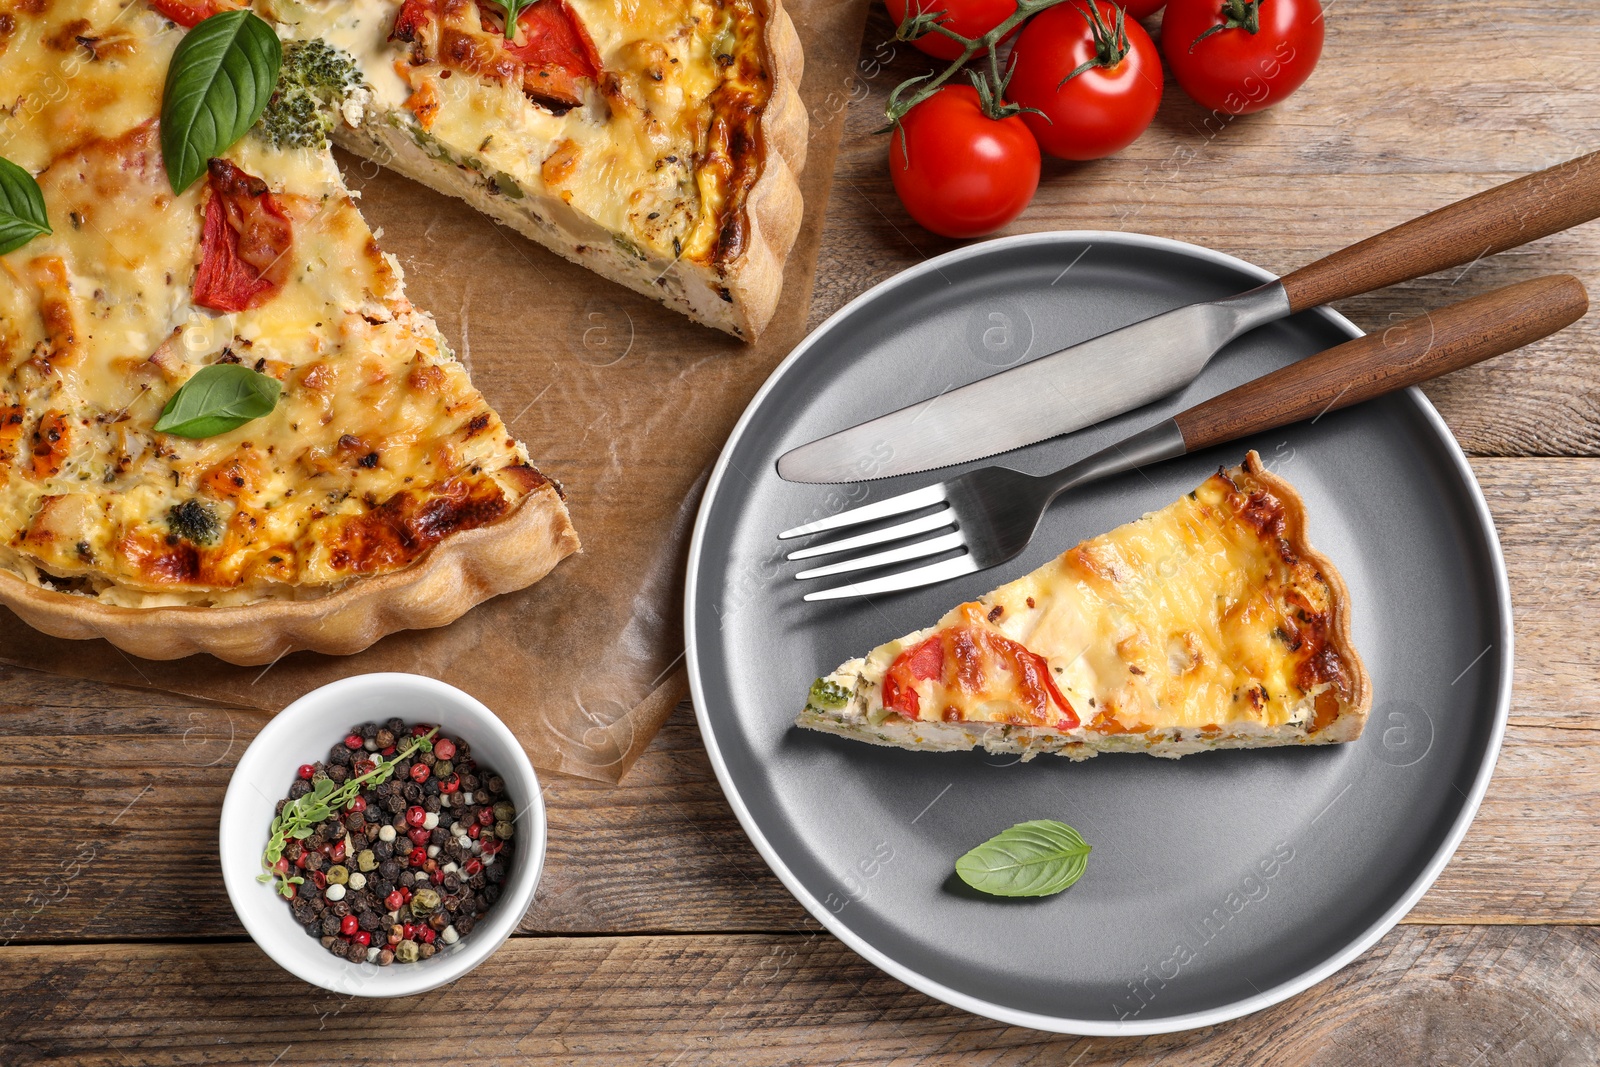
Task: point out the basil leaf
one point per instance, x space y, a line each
217 399
1032 859
22 215
220 80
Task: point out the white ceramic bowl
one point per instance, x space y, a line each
303 733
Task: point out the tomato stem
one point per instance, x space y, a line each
991 85
1111 43
1236 15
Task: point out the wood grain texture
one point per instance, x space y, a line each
124 773
1363 146
1468 996
1456 235
1437 342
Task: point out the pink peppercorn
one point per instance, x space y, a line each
444 748
420 772
486 816
450 784
418 836
420 729
348 925
353 742
394 901
418 857
361 937
473 830
306 771
472 867
415 815
358 803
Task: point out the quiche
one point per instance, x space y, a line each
1211 623
380 492
655 142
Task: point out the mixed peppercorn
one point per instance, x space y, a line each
397 843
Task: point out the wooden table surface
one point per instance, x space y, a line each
658 935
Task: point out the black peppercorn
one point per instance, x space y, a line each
412 792
383 849
491 893
339 756
367 730
497 785
338 774
394 803
370 921
395 726
341 908
430 803
281 805
298 788
439 836
330 923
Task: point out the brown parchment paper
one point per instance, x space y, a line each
624 402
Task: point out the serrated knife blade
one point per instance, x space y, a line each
1055 394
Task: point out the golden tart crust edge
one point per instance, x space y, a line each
454 576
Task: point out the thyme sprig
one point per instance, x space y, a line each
300 817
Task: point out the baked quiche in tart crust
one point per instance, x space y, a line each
655 142
1209 624
381 492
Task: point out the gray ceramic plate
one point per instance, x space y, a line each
1220 883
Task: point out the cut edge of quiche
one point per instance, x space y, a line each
729 274
1209 624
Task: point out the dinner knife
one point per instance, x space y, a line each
1118 371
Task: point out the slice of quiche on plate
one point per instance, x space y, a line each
655 142
1209 624
371 488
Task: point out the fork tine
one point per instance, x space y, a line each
883 509
937 521
942 571
931 547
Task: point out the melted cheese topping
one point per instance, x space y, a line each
659 156
1196 617
379 446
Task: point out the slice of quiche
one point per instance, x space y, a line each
381 492
655 142
1211 623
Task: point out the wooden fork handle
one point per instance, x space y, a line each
1411 352
1504 217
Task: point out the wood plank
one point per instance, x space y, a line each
1460 995
1293 183
118 775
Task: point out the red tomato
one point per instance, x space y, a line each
969 18
190 13
1100 109
1265 50
959 172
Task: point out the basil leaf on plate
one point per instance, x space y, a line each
220 80
1032 859
217 399
22 214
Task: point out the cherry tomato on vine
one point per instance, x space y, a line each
1240 56
969 18
959 172
1094 75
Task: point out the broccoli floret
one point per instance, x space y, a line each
827 696
194 522
314 79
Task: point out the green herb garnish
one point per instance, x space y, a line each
219 82
1032 859
826 695
513 8
300 817
22 214
219 398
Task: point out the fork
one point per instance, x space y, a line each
988 516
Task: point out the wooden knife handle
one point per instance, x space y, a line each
1506 216
1411 352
